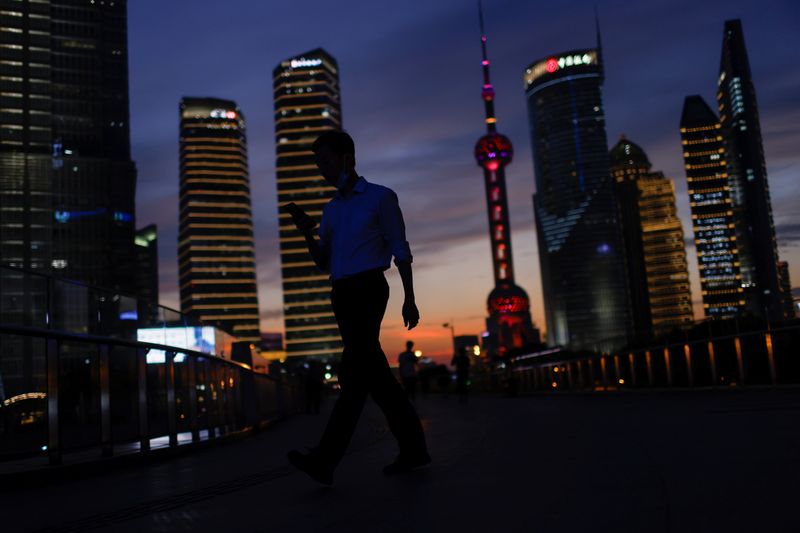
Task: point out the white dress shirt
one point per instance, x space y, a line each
362 230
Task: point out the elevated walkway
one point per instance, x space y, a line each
724 460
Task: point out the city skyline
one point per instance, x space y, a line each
436 117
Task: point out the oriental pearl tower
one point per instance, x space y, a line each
509 322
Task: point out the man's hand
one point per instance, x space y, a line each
410 314
304 223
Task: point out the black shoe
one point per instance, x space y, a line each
405 464
311 465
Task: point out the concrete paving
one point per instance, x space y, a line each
631 462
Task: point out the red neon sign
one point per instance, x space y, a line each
551 65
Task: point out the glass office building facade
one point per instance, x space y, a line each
306 96
67 182
658 275
216 252
580 244
747 171
712 210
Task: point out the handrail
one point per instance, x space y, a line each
98 288
745 358
113 399
99 339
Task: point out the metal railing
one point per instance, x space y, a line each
75 382
768 357
101 394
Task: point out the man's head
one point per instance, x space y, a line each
409 345
334 153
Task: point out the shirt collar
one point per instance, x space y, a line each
359 187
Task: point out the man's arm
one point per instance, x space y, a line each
394 231
318 252
410 311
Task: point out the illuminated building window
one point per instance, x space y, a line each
498 232
497 213
501 251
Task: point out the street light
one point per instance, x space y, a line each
452 333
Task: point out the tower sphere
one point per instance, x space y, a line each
508 298
494 147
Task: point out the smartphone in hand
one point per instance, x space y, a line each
301 219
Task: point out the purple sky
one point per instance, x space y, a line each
411 80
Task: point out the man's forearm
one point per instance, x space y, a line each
315 250
406 275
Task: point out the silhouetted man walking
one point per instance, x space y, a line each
362 228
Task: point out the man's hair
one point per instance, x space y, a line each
409 344
339 142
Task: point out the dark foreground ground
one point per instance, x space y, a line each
637 462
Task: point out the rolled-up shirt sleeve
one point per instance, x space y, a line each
393 227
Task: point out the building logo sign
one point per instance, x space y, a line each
303 62
222 113
552 65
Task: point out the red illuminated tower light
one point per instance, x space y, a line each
509 322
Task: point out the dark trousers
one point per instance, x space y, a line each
359 303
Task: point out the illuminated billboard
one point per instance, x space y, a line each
557 63
205 339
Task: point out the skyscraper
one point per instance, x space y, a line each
67 182
306 95
658 276
580 243
216 254
752 208
509 323
712 210
147 270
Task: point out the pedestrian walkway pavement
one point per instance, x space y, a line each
702 461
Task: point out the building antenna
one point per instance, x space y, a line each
488 91
599 44
597 33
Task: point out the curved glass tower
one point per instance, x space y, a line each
580 243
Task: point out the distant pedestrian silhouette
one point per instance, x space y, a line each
362 228
461 362
407 367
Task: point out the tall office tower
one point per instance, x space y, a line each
306 93
509 323
752 208
67 182
147 270
580 243
658 276
712 210
787 304
216 255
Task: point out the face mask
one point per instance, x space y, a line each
341 183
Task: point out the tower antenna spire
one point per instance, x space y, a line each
488 91
597 33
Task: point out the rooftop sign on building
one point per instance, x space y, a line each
557 63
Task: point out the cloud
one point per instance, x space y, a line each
788 233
